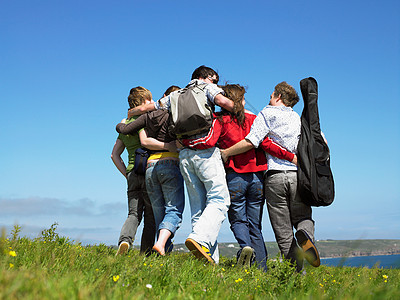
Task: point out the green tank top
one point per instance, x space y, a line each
131 142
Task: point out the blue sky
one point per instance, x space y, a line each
66 69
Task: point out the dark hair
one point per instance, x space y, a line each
288 93
171 89
204 72
235 92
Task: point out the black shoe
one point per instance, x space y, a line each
310 251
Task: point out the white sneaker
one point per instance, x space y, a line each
123 248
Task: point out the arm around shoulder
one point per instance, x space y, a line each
141 109
223 102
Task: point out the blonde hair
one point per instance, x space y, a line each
138 95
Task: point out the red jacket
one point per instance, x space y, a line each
227 132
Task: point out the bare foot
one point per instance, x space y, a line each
160 250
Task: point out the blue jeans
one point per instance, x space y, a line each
245 212
204 175
164 185
138 205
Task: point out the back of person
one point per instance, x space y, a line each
164 181
253 160
132 143
157 123
284 129
138 201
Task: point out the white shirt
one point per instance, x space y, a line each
281 124
210 89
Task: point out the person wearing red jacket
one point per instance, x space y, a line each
244 175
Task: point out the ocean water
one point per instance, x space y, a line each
380 261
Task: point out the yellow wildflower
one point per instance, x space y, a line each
321 285
11 265
12 253
385 276
223 269
116 278
238 280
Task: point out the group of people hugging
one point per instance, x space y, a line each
240 163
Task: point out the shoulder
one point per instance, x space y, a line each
249 115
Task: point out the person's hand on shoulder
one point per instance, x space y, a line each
171 146
223 155
294 160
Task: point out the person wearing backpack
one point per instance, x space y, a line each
202 170
164 182
138 201
286 210
244 176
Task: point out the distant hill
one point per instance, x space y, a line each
326 248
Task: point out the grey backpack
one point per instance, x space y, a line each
190 110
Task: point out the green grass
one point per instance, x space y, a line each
54 267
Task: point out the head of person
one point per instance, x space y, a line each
171 89
285 93
206 74
235 92
138 96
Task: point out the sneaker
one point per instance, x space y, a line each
199 251
246 257
123 248
310 251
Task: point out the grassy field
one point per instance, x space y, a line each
54 267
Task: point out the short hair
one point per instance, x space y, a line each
204 72
138 95
171 89
288 93
235 92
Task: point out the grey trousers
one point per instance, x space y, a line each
138 205
286 210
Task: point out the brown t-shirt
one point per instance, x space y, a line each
155 124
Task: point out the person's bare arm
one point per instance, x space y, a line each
224 102
294 160
141 109
119 147
154 144
240 147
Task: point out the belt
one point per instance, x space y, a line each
272 172
168 162
159 155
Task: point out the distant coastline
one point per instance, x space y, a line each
326 248
363 254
